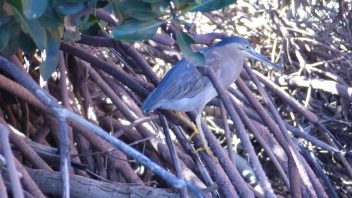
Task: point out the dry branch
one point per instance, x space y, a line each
104 81
82 187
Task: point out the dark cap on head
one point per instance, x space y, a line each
232 39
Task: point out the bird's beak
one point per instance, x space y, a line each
259 57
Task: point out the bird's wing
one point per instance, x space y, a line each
182 81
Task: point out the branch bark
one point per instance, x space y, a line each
83 187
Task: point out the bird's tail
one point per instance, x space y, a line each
149 106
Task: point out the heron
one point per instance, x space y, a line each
184 89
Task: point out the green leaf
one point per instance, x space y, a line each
71 36
14 31
88 22
181 4
74 1
52 56
101 4
51 19
33 28
137 9
11 47
33 9
3 18
184 41
151 1
134 30
93 30
4 36
118 13
102 24
16 3
160 8
211 5
70 8
27 44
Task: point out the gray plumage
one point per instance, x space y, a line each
184 89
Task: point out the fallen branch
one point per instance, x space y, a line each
83 187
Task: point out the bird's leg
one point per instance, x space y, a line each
202 136
184 118
197 129
189 123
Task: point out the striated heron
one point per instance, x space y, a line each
184 89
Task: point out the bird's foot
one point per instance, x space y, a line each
194 133
197 131
204 146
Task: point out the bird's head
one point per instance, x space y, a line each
244 49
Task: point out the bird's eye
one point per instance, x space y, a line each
248 47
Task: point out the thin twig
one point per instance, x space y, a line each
65 163
110 69
228 134
3 191
307 114
16 186
176 161
260 139
65 114
293 151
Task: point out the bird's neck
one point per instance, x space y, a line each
227 63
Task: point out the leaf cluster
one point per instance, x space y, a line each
40 25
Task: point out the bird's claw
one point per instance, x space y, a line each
197 131
208 151
194 133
